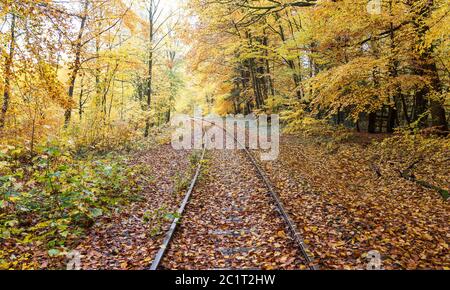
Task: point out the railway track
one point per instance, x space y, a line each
241 231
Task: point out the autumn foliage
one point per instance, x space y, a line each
87 89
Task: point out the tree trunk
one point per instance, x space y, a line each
80 101
269 81
393 73
296 78
150 68
372 127
392 119
8 73
438 117
426 66
76 64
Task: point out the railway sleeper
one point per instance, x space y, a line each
233 233
234 251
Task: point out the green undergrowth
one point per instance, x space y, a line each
50 199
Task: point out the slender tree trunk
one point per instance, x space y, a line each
296 78
256 90
269 81
392 119
405 109
254 70
80 101
76 65
150 68
372 127
99 102
33 133
8 73
393 72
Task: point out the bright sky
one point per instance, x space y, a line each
167 5
172 3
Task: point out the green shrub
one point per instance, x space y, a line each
55 196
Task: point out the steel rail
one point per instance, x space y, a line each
290 224
169 235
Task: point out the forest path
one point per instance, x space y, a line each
231 222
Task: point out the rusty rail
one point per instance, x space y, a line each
290 224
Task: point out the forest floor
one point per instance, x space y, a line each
129 235
346 204
129 239
344 196
343 200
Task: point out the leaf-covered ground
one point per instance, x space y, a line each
348 196
50 199
231 222
130 238
349 199
125 235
